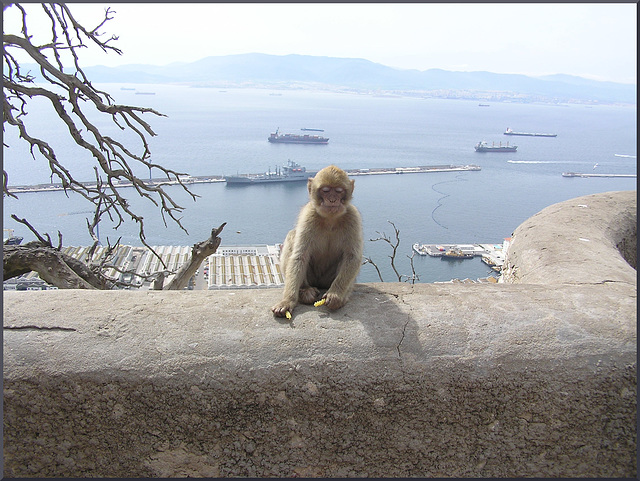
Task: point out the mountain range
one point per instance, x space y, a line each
363 75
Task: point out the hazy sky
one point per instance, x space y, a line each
595 41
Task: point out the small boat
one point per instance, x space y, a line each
484 147
457 254
11 240
312 130
420 249
527 134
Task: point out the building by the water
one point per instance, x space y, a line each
231 267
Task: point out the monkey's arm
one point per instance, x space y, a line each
341 287
296 261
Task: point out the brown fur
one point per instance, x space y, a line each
324 250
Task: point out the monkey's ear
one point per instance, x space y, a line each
309 183
353 183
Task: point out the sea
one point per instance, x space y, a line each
223 131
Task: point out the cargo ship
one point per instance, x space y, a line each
292 172
279 138
511 132
484 147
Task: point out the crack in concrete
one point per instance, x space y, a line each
399 345
600 283
404 328
33 327
401 298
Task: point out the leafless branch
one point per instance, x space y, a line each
73 96
368 260
394 246
413 277
44 242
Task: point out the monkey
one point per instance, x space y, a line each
324 250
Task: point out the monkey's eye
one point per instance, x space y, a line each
339 190
326 189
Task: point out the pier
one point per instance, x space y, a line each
577 174
208 179
492 254
412 170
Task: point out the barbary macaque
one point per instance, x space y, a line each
324 250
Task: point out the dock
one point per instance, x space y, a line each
491 254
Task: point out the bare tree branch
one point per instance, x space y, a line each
199 253
368 260
41 240
52 266
414 276
73 95
74 100
394 247
394 252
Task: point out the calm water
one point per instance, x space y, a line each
209 131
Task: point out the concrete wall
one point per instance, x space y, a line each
533 378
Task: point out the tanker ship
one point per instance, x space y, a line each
279 138
484 147
527 134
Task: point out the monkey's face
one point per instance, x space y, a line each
331 201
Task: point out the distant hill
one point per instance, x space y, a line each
359 74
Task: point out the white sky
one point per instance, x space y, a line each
597 41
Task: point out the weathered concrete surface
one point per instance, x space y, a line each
590 239
427 380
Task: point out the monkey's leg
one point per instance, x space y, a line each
308 295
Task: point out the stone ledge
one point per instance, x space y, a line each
431 380
589 239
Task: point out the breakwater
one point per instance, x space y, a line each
577 174
207 179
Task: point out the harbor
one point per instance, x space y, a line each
491 254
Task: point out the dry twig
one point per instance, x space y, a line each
71 97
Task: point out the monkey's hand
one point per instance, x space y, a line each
334 301
283 308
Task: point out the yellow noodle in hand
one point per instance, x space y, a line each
287 315
320 302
